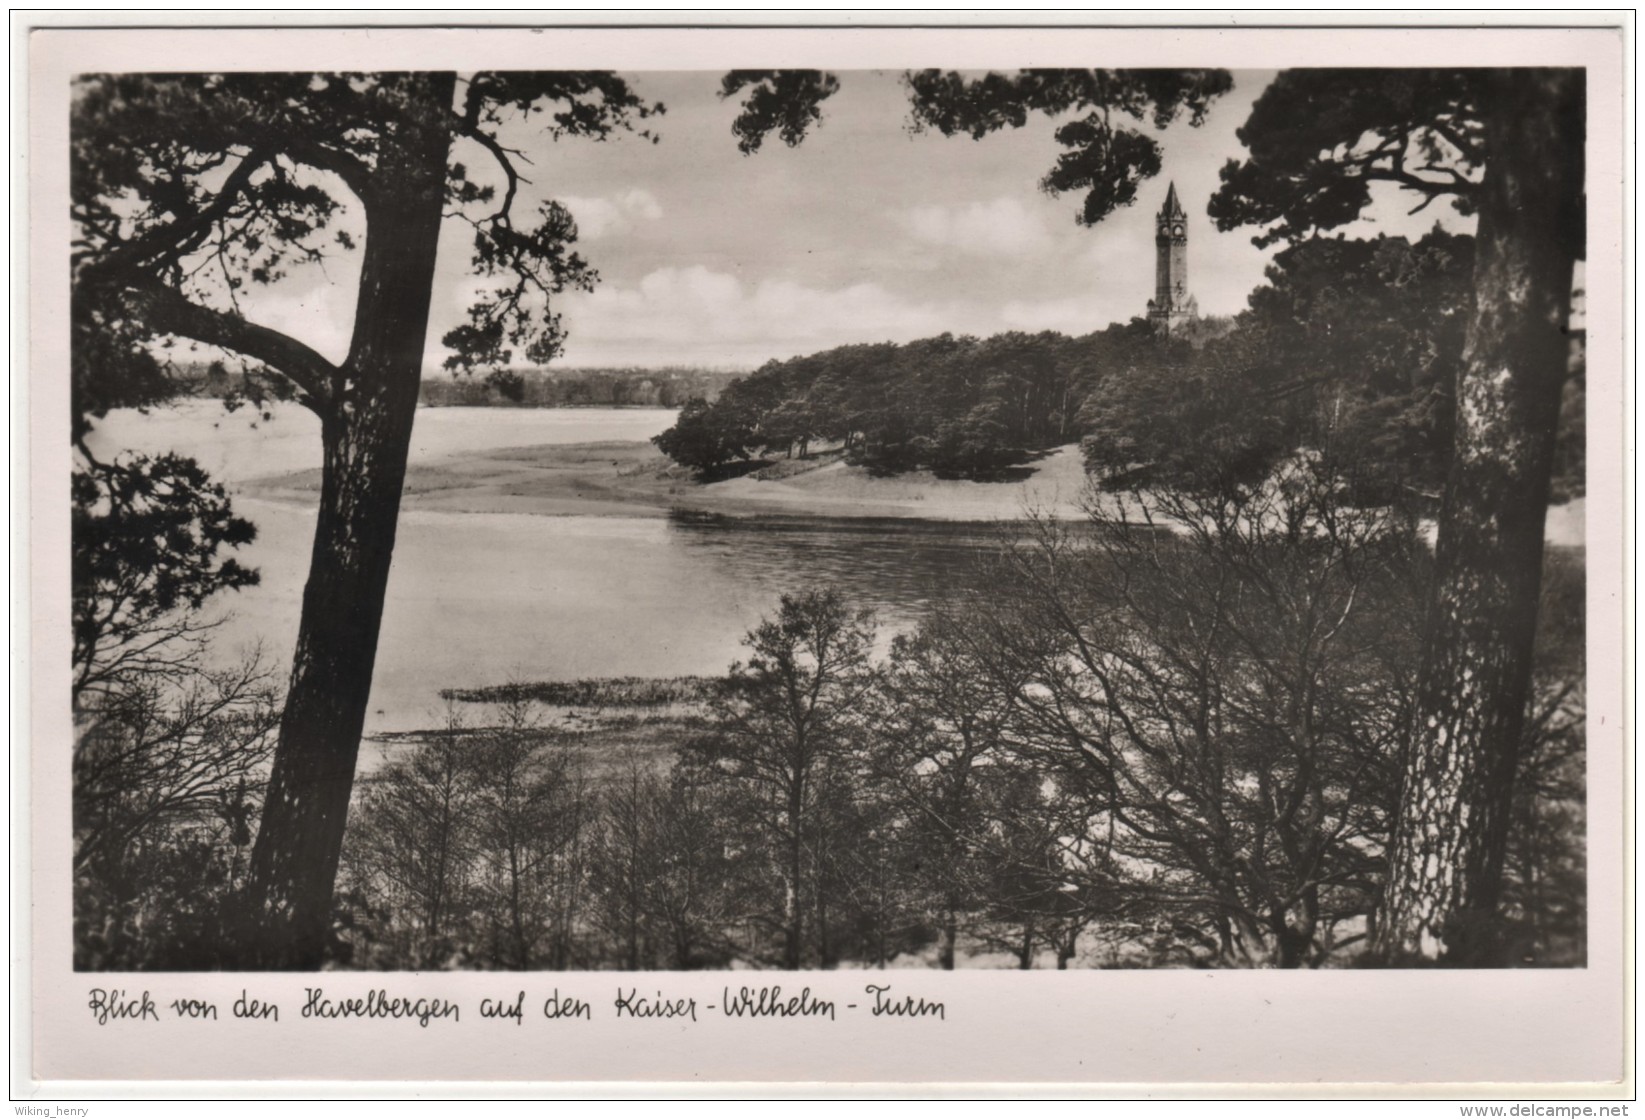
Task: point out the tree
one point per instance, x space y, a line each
168 755
147 538
1364 339
1104 157
1545 888
783 725
705 436
1351 345
167 780
1032 891
998 845
940 747
1201 422
165 747
623 857
689 890
1222 678
527 841
1507 146
791 422
413 842
186 190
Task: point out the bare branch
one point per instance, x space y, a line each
168 311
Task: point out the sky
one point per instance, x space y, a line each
866 232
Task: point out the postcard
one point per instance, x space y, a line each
1077 555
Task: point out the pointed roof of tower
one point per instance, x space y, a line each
1172 208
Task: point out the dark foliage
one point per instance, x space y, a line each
787 102
168 780
1351 347
706 436
958 406
1103 157
148 538
1313 171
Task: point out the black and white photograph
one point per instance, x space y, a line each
840 519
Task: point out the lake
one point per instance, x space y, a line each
485 598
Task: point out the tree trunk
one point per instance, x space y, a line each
367 432
825 947
1445 872
794 933
634 915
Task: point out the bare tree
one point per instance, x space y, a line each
1227 677
690 886
527 840
784 719
413 840
625 858
940 746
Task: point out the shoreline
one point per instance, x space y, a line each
624 478
621 478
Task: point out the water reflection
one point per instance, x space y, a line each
894 567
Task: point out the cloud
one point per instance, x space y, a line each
698 314
601 217
1072 316
1003 227
313 305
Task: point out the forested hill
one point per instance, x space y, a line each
958 405
1350 346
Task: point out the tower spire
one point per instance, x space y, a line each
1172 208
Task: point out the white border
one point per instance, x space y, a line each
1194 1030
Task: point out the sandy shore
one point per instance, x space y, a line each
603 479
628 479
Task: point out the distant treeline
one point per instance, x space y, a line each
668 387
665 387
1355 344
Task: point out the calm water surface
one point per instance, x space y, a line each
477 599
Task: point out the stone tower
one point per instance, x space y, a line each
1171 305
